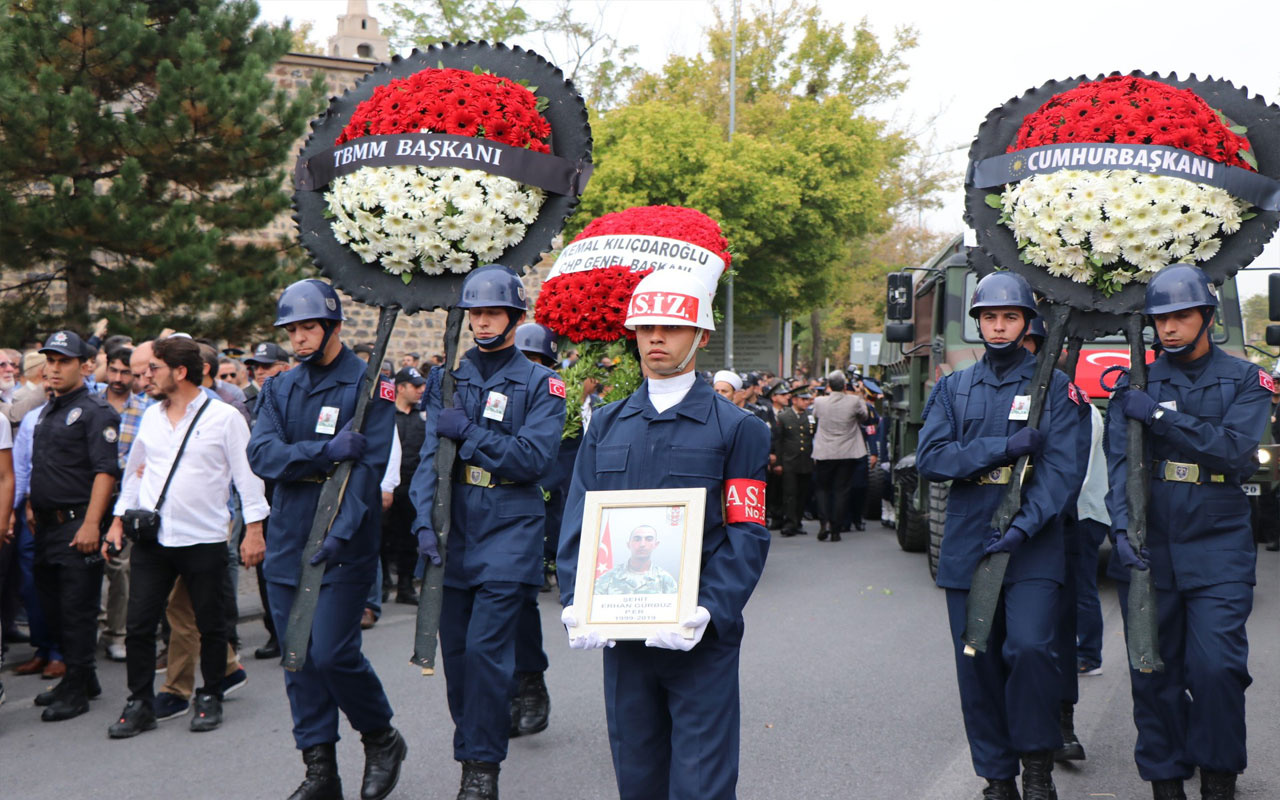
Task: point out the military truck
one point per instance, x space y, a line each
928 334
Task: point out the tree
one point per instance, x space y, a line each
594 60
139 142
301 41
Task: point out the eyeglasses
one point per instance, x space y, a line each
4 364
226 376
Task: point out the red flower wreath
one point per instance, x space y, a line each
592 304
453 101
1132 110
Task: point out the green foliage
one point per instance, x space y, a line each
139 140
620 381
422 24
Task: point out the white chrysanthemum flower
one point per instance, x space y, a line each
1142 215
1035 255
1129 235
1180 246
1103 238
1088 217
452 228
1206 249
1162 190
394 224
476 241
457 262
421 185
432 205
513 234
1073 255
1071 233
1034 196
366 252
433 247
1120 277
422 227
432 267
1080 273
1207 231
1155 235
466 195
1107 258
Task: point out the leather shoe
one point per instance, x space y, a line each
136 718
321 781
367 619
479 781
72 701
1273 546
384 752
407 598
1217 785
269 650
54 670
1000 790
47 697
835 536
1172 789
535 704
32 667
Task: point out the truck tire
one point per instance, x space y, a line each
913 523
938 494
877 488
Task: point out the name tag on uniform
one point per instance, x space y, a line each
1021 408
327 422
495 406
1172 405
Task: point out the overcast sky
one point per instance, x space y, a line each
971 56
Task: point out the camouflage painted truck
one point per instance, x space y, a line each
928 333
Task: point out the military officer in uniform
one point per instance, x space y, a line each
74 470
1204 413
974 431
301 433
793 444
672 702
507 419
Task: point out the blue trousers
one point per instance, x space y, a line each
530 657
336 674
1064 643
1010 694
674 720
1088 608
478 647
1206 653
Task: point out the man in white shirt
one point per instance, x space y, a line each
192 540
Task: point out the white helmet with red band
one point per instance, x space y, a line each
670 297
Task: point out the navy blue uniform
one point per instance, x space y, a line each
674 716
1010 694
493 559
1202 561
74 440
286 448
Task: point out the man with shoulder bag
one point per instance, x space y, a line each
188 453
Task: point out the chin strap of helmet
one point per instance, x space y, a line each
1180 350
676 370
513 319
329 327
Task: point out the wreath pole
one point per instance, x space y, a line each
988 578
297 637
428 621
1142 637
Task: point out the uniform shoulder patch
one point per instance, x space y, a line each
386 390
1073 393
110 434
1266 380
556 387
1084 395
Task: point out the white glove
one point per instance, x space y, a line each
674 640
582 641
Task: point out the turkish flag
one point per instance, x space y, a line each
604 555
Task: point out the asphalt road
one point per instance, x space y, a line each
848 691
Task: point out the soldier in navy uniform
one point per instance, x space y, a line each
974 431
672 702
302 432
1204 413
507 419
74 470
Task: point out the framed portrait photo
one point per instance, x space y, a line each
639 560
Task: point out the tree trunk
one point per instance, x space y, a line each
815 343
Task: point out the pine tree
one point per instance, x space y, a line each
139 143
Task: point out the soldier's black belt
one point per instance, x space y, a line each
60 516
1000 476
472 475
1182 472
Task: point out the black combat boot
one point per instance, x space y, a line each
73 698
384 752
1071 749
1168 790
479 781
1037 776
1217 785
535 703
824 530
1006 789
47 697
322 781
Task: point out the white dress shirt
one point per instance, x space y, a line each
195 507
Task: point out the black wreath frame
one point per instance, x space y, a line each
1238 250
369 283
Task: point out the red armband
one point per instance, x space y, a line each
744 501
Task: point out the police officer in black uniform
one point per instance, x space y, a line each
399 546
74 470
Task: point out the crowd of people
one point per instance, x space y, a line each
137 479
